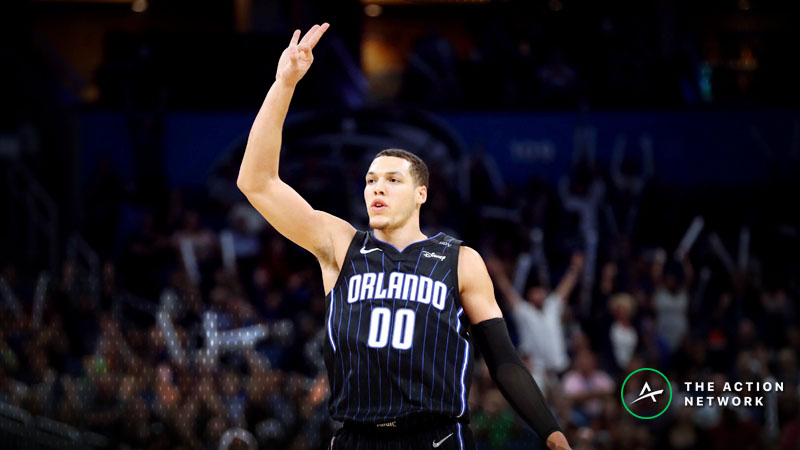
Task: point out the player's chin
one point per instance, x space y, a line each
378 222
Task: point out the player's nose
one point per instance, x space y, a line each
378 187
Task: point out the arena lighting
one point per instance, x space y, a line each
139 6
373 10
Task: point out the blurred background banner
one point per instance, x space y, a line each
629 171
699 148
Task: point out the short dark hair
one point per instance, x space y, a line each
419 170
533 281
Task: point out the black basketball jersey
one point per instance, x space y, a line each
397 337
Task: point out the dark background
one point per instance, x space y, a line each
604 127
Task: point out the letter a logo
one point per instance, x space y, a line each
652 394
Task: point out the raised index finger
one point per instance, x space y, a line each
295 38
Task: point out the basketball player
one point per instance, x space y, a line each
399 344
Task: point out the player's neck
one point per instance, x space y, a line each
402 237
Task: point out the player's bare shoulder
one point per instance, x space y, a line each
475 286
469 262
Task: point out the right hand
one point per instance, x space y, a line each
297 58
557 441
576 261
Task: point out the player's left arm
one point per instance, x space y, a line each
505 366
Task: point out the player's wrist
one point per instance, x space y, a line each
285 83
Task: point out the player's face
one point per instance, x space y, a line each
391 193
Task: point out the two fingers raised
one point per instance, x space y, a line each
311 38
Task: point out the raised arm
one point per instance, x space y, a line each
498 273
688 269
505 366
568 281
282 206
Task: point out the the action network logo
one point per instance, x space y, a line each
645 396
644 393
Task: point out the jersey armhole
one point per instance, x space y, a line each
457 297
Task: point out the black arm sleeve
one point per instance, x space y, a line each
512 377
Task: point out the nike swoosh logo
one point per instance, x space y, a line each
365 251
437 444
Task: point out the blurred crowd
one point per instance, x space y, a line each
201 327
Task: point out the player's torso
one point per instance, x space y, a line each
397 342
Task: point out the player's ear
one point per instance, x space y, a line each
421 194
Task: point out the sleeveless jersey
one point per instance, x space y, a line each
397 340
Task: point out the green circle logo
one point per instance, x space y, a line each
646 392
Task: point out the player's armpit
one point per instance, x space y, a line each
291 215
475 287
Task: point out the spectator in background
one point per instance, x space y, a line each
622 335
244 243
721 325
233 398
197 245
582 195
629 179
787 370
201 238
587 387
779 312
607 285
237 438
537 316
671 297
684 434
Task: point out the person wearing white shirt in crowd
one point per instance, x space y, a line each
671 298
622 333
537 317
